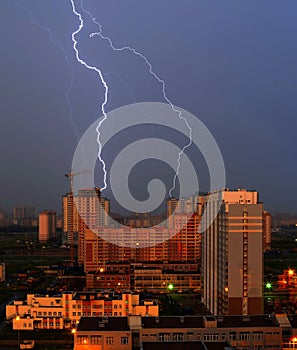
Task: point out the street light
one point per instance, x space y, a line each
268 285
170 286
291 272
73 331
18 319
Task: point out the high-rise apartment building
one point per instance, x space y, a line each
158 243
129 243
232 258
93 212
47 225
70 220
85 211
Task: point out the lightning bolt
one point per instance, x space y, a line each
154 74
151 71
61 48
99 73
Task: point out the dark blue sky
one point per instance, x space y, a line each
231 63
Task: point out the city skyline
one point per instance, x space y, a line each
240 82
147 183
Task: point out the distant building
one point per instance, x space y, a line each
284 219
47 225
205 333
232 262
2 272
23 216
70 220
65 310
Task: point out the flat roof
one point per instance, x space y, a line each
172 322
116 323
247 321
185 345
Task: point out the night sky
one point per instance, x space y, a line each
231 63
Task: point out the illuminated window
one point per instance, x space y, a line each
109 340
244 336
81 339
178 336
96 339
164 336
124 340
211 337
232 335
257 335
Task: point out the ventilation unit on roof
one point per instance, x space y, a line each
105 319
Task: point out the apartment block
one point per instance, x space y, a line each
47 225
239 332
154 277
142 244
232 260
65 310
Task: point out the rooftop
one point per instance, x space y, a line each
186 322
247 321
172 322
195 345
103 323
186 345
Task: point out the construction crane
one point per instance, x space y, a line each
70 176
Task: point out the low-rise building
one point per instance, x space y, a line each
65 310
241 332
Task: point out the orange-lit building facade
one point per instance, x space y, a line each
150 276
131 243
133 332
65 311
47 225
182 246
233 254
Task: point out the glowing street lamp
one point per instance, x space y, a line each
170 286
268 285
18 319
291 272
